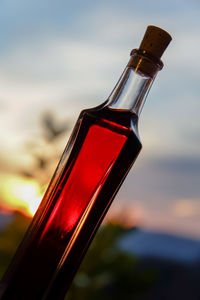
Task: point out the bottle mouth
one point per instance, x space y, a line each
144 62
147 54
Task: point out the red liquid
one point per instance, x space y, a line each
50 254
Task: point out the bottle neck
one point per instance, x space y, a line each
133 86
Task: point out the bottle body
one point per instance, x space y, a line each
102 149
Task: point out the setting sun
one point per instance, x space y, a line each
20 193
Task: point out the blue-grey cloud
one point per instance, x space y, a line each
160 181
181 165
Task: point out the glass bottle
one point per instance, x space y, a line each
103 146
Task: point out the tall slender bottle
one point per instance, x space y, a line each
103 146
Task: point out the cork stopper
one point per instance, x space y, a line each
155 41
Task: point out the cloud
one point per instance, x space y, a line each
184 208
157 183
182 165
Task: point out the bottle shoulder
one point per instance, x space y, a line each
123 119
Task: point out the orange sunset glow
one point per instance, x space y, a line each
19 193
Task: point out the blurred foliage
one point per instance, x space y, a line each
52 128
45 153
10 239
46 148
108 272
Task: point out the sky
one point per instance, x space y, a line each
63 56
